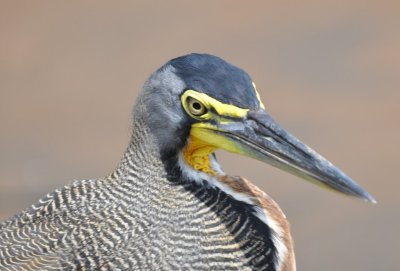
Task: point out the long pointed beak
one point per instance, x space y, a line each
260 137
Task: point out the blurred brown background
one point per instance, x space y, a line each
328 72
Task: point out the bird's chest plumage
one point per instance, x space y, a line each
186 227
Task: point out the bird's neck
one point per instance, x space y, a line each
142 155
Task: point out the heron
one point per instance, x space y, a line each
168 205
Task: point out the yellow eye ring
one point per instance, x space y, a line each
195 107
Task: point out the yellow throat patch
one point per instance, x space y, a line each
196 154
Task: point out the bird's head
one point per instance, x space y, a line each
199 103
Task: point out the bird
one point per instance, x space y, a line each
169 205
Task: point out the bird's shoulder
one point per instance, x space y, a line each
67 198
31 238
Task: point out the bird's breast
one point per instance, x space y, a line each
195 226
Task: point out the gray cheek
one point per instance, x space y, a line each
160 106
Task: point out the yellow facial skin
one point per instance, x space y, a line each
203 141
204 132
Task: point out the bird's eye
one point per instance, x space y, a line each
196 107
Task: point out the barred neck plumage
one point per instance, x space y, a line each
142 155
